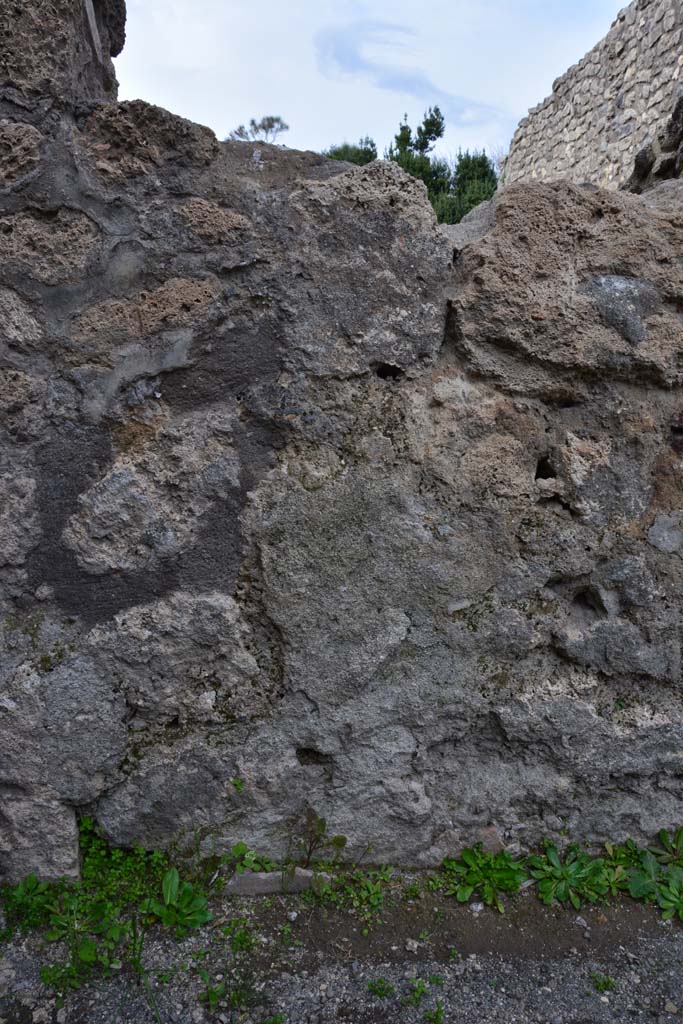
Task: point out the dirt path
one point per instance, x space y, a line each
428 960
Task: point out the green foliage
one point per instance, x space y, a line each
473 181
238 995
26 904
435 1016
670 850
363 153
418 990
213 995
644 879
670 894
279 1018
576 877
265 130
380 988
314 839
102 920
603 982
243 859
123 877
454 187
362 892
240 935
412 891
182 908
487 875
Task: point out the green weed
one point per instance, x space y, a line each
574 878
381 989
487 875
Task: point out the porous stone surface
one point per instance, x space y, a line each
298 489
61 49
606 108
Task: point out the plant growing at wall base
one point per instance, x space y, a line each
484 874
670 894
314 839
243 859
574 878
181 907
670 850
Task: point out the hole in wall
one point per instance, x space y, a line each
545 469
388 371
589 605
309 755
677 435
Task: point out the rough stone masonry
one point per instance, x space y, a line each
301 490
615 101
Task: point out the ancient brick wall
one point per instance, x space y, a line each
609 105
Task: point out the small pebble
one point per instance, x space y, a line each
670 1007
412 945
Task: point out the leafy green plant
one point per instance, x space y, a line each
575 878
314 839
240 935
243 859
363 892
603 982
418 990
381 988
279 1018
644 880
628 854
213 995
616 879
26 904
670 894
486 874
182 908
670 850
412 891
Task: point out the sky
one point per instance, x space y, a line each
336 70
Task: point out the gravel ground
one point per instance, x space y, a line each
313 966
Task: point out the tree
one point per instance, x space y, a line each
265 130
454 188
364 153
412 152
473 181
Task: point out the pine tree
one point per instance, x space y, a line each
453 188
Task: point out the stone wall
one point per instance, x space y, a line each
608 106
308 504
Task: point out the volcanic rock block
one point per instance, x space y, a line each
300 489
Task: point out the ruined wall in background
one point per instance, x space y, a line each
608 106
